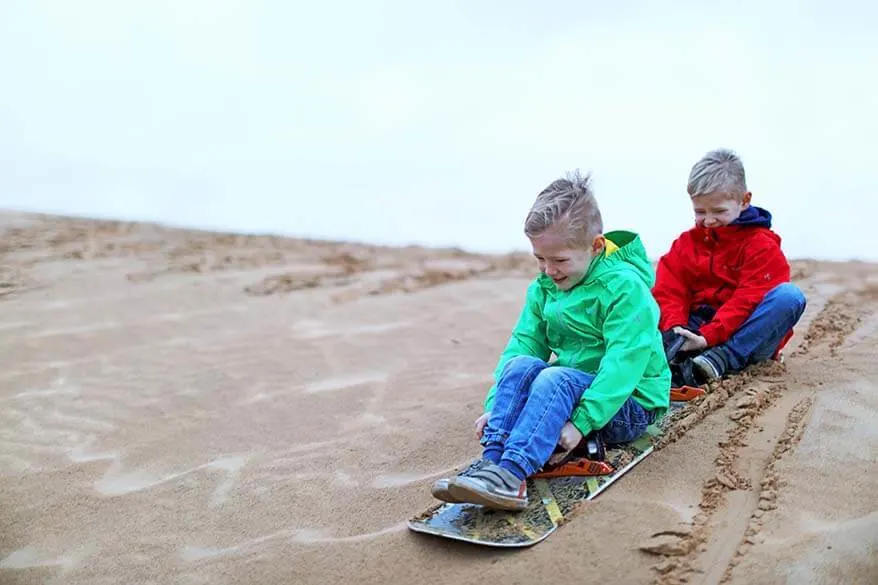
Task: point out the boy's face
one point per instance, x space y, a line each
564 265
718 209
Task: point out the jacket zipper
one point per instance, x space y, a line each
561 325
710 237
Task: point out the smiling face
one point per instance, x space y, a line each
566 266
718 209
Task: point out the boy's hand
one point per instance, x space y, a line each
672 342
570 436
480 424
694 342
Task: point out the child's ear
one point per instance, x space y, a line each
745 202
598 244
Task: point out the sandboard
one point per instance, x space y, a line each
551 500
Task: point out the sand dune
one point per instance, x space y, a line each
189 407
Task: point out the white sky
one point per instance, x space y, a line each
437 123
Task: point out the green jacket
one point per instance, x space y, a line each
606 325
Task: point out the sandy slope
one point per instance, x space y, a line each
184 407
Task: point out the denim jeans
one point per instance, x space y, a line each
532 403
760 335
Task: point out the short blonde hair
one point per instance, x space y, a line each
569 204
718 171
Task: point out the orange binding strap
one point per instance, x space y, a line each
580 466
686 393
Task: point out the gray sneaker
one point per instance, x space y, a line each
440 486
491 486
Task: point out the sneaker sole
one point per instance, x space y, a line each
465 490
440 492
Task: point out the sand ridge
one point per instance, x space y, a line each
187 407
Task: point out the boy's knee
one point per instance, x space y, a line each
547 380
551 380
523 362
789 296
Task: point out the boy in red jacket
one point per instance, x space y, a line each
724 286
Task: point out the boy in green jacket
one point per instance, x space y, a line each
591 307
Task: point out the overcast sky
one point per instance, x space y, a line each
437 123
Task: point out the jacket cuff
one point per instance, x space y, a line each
581 423
673 321
712 334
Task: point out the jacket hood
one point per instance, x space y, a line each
754 216
623 248
629 251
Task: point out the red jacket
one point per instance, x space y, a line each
729 268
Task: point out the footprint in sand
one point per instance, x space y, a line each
311 329
389 480
29 557
120 484
344 479
346 382
365 421
192 553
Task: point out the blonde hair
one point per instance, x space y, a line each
718 171
567 204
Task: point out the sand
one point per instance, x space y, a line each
189 407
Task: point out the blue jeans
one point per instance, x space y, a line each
760 335
532 403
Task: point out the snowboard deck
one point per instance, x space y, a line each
551 501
